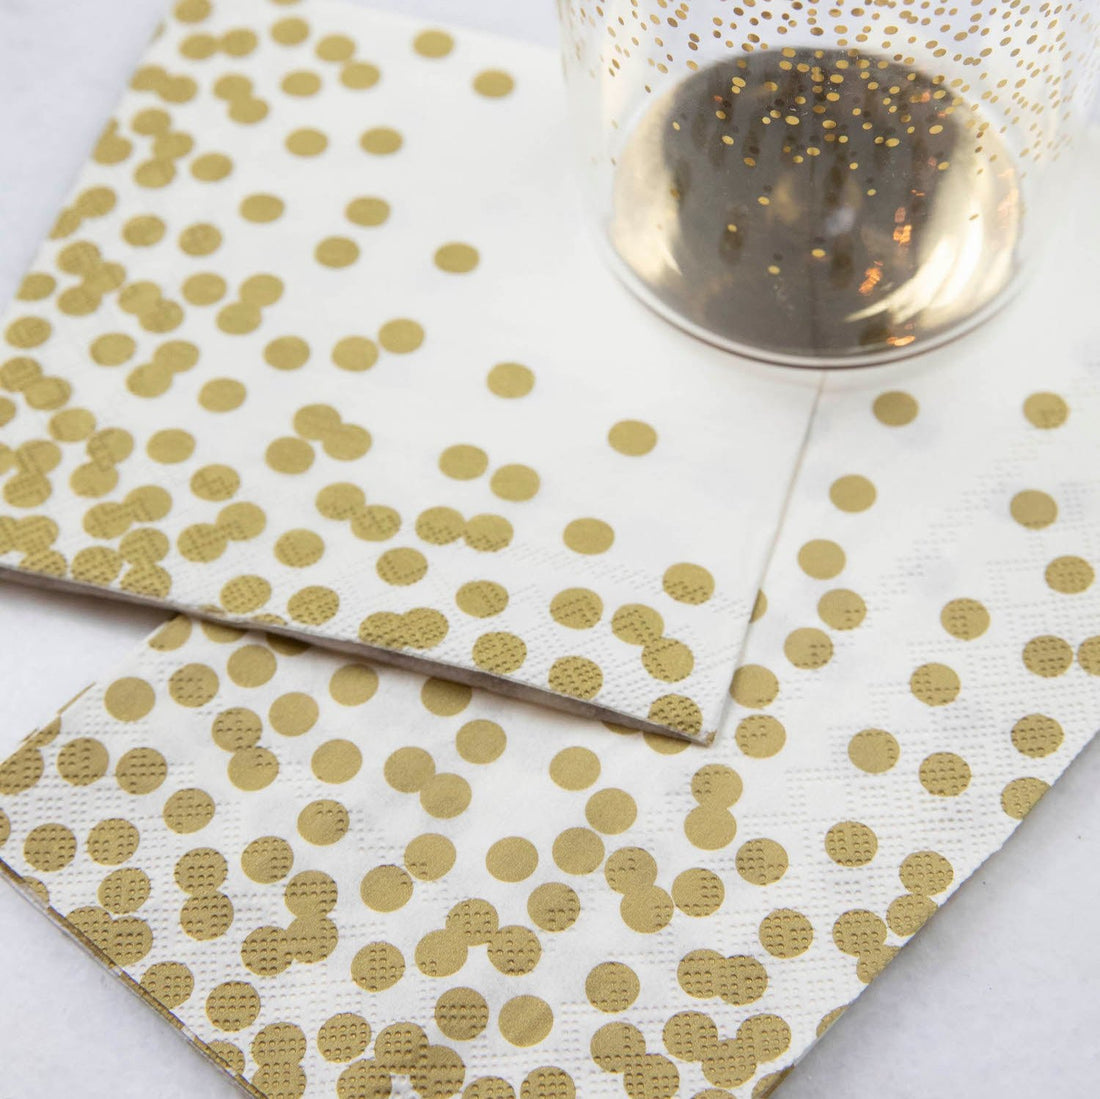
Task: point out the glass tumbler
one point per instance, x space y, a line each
826 185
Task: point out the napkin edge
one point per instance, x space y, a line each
22 889
423 665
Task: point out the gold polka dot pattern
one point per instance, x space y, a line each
209 85
261 711
238 751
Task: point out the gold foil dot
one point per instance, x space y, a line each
785 933
821 559
463 462
944 774
632 437
1048 656
262 208
1020 796
337 252
935 684
575 676
698 892
353 684
233 1005
49 847
754 687
576 608
851 843
377 966
677 712
268 859
525 1020
874 751
1033 509
188 811
290 32
493 83
129 699
343 1037
852 493
355 353
301 83
381 141
687 583
386 888
510 380
1046 410
222 395
965 619
499 653
553 906
112 841
359 75
306 142
323 822
588 536
1069 575
461 1014
575 768
578 851
841 609
401 336
760 736
433 44
611 811
456 259
211 167
367 211
82 761
761 861
512 859
895 409
293 714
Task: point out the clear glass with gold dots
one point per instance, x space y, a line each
826 185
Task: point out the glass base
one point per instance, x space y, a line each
817 208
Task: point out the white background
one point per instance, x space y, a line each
999 995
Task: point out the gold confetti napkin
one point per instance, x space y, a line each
353 881
320 340
347 881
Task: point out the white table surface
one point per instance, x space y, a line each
997 996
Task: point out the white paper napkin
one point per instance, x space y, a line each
339 882
321 340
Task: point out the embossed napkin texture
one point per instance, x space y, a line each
320 340
353 881
346 879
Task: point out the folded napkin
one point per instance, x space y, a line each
339 879
355 882
320 340
342 880
348 880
